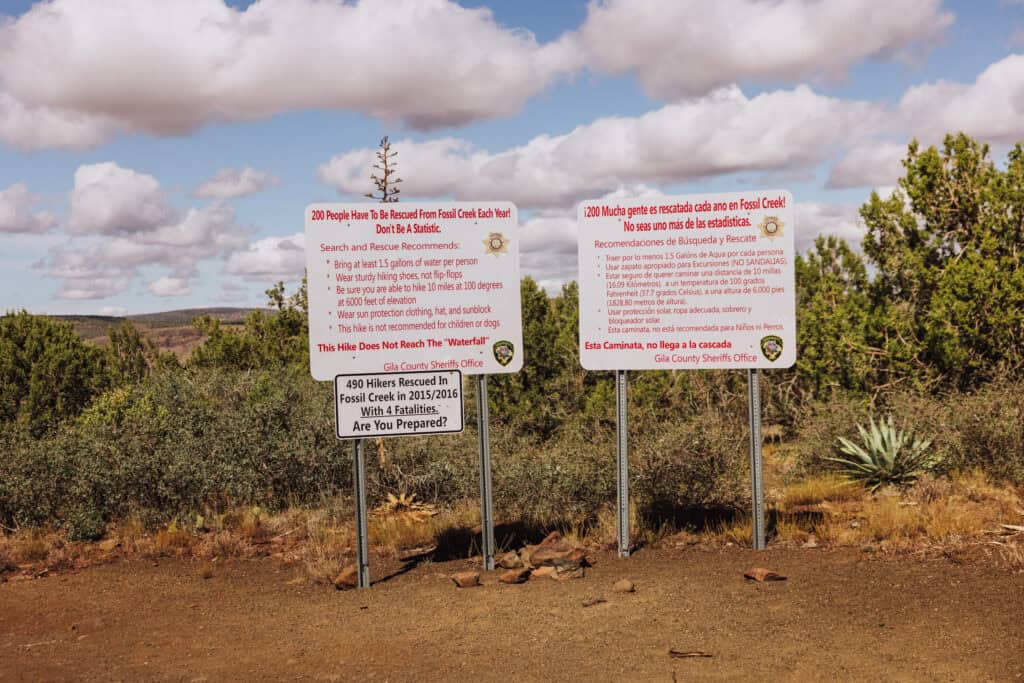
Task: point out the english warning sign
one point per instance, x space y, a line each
688 282
398 404
410 287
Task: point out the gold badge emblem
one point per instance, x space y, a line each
771 227
496 243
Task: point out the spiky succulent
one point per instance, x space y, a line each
886 455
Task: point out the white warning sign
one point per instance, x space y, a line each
398 404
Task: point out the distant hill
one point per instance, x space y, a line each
168 330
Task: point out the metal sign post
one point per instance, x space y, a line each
623 461
362 534
486 496
756 462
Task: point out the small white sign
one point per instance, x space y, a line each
407 287
694 282
398 404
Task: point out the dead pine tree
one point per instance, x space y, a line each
387 192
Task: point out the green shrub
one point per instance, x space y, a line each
990 424
702 462
180 441
820 426
47 373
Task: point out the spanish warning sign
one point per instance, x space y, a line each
411 287
398 404
691 282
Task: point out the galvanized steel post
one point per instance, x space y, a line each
486 495
622 433
756 461
362 534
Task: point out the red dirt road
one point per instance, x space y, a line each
841 615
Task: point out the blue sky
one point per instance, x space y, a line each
158 155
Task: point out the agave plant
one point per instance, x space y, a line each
886 455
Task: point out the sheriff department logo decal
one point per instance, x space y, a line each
496 243
504 351
771 347
771 227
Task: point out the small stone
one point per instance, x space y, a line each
206 571
553 537
515 576
554 554
812 542
565 572
590 602
466 579
347 579
760 574
624 586
541 572
510 560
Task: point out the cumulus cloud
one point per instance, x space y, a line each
991 108
230 183
723 132
110 200
121 222
874 163
121 68
686 47
170 286
271 258
839 220
16 215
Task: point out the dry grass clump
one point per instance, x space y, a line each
1011 555
222 545
172 541
328 547
398 530
738 530
41 550
825 488
603 530
936 512
6 553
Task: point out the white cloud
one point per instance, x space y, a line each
110 200
721 133
991 108
548 239
170 286
16 215
688 47
230 183
120 66
271 258
45 127
120 222
874 163
839 220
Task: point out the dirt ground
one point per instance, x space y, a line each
844 615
